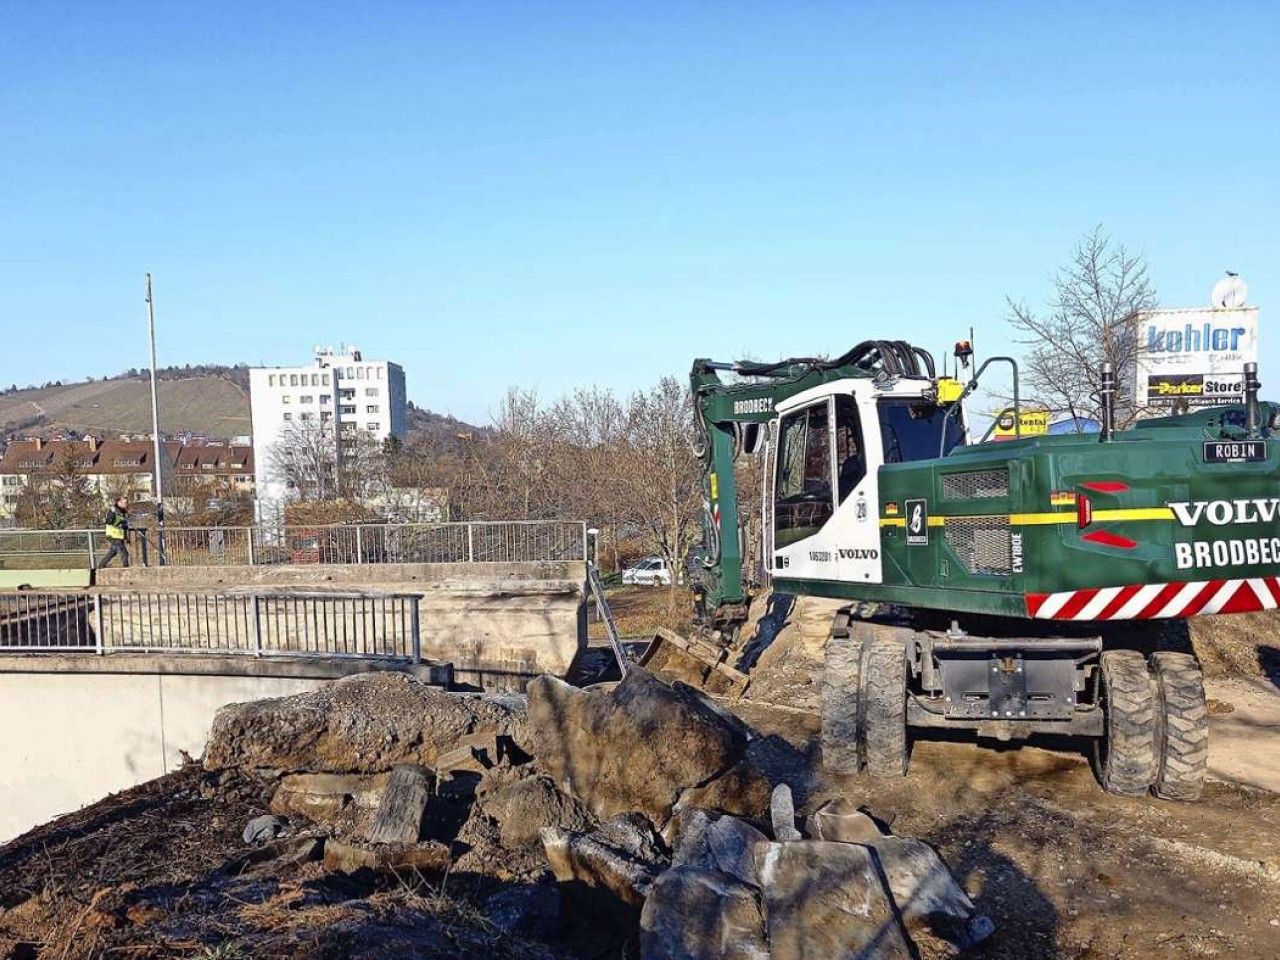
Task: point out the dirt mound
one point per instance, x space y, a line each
1238 645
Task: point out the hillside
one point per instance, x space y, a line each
213 401
208 405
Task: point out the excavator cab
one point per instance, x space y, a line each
823 505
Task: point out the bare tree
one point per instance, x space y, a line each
1092 317
63 496
305 457
659 474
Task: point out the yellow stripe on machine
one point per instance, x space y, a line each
1099 516
1048 519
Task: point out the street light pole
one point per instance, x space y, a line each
155 424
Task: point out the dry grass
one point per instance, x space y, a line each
640 611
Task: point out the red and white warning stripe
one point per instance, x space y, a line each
1154 601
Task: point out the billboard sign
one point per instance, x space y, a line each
1193 358
1030 423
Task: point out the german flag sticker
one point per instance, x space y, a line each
891 509
1062 498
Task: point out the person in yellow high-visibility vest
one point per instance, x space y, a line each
117 532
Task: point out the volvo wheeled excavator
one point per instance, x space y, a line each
988 584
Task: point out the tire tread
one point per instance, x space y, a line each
1130 763
885 693
841 686
1182 729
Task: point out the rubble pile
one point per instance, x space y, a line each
629 817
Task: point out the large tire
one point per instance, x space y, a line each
884 692
1124 757
1182 727
841 686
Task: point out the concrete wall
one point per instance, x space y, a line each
500 624
70 739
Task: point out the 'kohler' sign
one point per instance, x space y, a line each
1194 358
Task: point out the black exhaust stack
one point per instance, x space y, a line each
1107 394
1251 387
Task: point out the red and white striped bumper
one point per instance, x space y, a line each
1154 601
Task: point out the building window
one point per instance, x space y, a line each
359 373
370 391
285 398
351 373
315 379
347 394
379 373
271 379
325 416
288 415
306 398
324 379
373 427
307 416
371 408
326 398
293 379
346 409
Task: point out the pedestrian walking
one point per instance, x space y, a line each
117 532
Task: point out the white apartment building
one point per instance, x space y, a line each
339 392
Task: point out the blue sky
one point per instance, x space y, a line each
553 195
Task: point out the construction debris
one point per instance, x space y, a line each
595 825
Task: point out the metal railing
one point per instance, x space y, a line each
289 624
500 541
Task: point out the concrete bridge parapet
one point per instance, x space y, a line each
499 624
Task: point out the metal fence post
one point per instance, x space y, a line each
99 640
250 531
257 627
414 619
471 544
359 546
93 557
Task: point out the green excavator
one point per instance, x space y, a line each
991 587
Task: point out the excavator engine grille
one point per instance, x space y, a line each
976 484
981 543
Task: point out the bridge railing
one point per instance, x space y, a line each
292 624
499 541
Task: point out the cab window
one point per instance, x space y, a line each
851 458
911 430
802 487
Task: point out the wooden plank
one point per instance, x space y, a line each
399 817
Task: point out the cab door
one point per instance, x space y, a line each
803 493
825 523
856 522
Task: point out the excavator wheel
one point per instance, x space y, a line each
841 687
1181 727
884 730
1124 757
